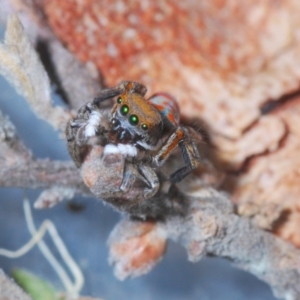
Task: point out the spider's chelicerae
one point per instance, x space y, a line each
144 131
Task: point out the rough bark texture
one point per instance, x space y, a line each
211 227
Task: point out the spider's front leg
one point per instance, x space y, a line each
129 86
190 153
84 131
151 180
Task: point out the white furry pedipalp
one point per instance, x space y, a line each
110 149
92 123
126 150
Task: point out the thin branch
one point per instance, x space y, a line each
213 228
20 169
38 174
52 196
20 64
29 245
210 228
72 289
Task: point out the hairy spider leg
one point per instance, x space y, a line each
107 94
188 149
190 156
123 87
169 109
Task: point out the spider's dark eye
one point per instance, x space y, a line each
145 127
119 100
133 120
124 110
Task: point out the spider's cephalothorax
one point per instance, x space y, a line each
151 124
135 119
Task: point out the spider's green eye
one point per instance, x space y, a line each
124 110
145 127
119 100
133 120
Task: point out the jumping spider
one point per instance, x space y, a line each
145 132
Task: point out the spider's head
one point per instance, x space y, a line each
133 115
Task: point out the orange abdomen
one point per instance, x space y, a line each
167 106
